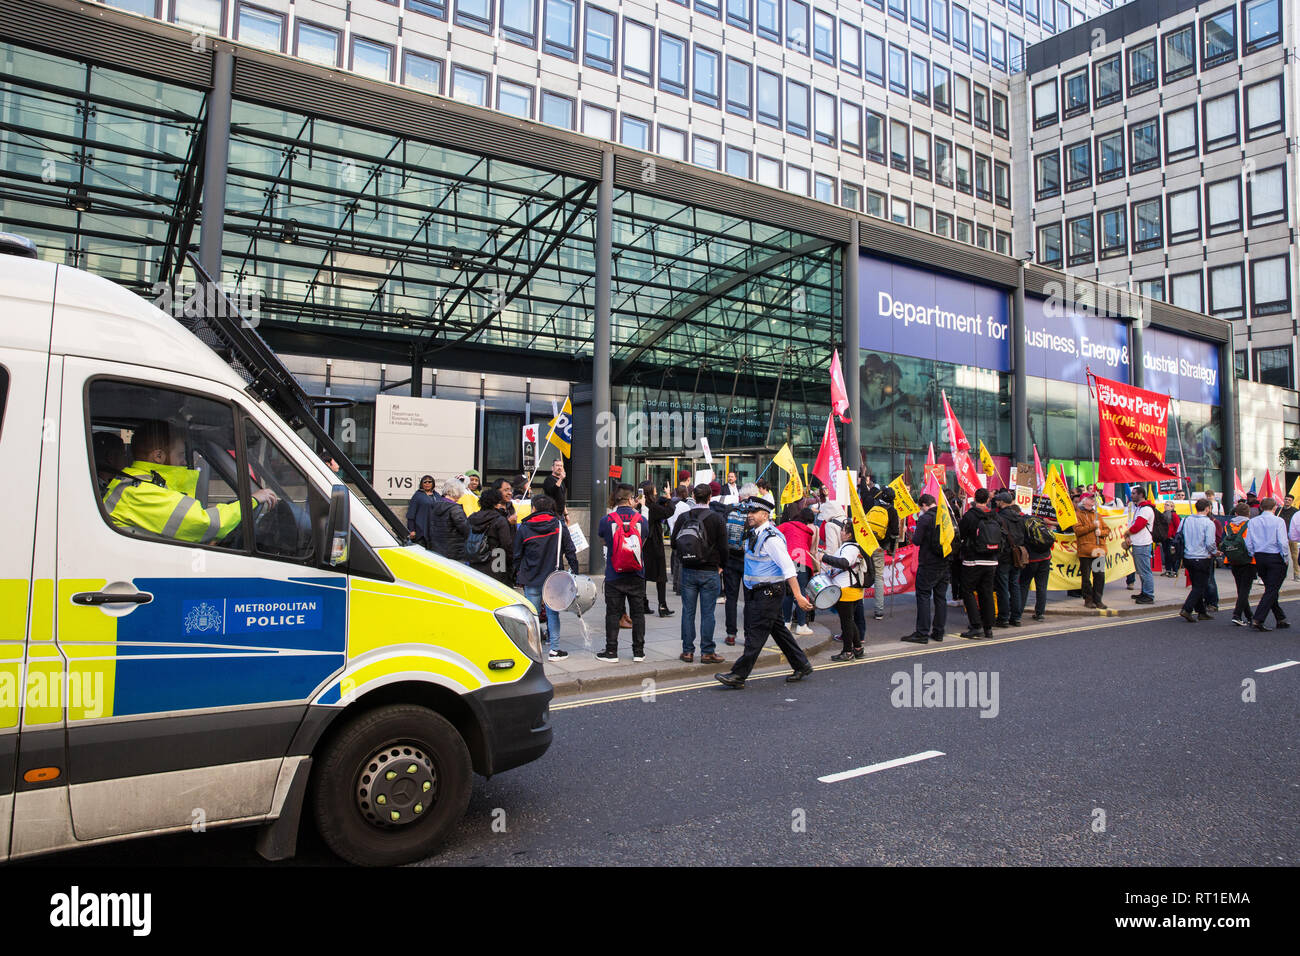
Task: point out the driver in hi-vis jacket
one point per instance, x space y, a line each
155 493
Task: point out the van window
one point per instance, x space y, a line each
163 464
287 533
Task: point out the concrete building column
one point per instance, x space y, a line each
601 399
852 376
1019 398
216 156
1228 418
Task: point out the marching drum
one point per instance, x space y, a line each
823 592
562 591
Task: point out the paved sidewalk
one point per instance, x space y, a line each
582 673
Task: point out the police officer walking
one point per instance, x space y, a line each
768 572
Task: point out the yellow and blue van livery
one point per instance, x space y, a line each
305 661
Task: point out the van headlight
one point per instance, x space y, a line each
520 625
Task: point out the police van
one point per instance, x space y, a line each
199 626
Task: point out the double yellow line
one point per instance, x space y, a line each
953 643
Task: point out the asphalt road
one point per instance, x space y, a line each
1120 744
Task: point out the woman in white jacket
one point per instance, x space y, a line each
841 552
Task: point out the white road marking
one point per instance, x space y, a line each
885 765
1277 667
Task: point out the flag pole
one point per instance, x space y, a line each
541 448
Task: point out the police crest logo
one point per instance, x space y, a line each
203 617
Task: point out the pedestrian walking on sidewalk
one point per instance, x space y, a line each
1266 540
700 542
1237 557
768 572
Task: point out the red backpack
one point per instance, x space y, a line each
626 553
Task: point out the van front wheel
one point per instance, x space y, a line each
391 786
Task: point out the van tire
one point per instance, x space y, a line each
426 742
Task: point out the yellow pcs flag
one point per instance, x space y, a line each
986 461
861 530
947 533
903 502
785 460
793 490
1060 495
1295 488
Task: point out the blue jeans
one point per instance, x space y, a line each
534 594
1142 565
704 584
803 576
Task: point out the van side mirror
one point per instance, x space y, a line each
338 528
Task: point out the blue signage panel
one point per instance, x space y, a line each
907 311
1184 368
1062 345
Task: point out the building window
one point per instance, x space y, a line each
961 97
998 47
316 44
943 162
920 17
1270 285
898 9
1142 68
598 51
1219 38
898 151
960 28
1263 19
557 110
1223 205
769 172
739 162
901 211
1273 366
372 59
984 237
672 143
1016 53
1108 85
1078 166
1180 134
1148 225
824 37
824 118
851 127
939 18
940 89
560 30
851 197
769 98
962 155
1049 245
1076 93
979 38
984 177
638 52
709 8
260 28
768 22
636 132
519 22
422 72
1001 121
430 8
965 231
943 224
704 152
920 79
515 99
1047 175
1227 291
1184 215
1264 108
599 122
1080 232
1220 121
876 203
796 26
1180 53
739 91
708 81
796 108
875 137
1003 244
1153 289
207 15
980 102
824 188
672 64
1110 156
1031 10
1002 184
1266 196
921 154
897 69
469 86
923 218
1144 145
1045 112
475 14
1239 363
1113 226
1185 291
850 49
873 58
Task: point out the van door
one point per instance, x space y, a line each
199 623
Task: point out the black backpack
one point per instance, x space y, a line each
689 541
1160 527
476 546
1036 534
988 538
1233 546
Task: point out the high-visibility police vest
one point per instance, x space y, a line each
135 499
759 568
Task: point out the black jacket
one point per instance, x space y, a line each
1013 530
500 559
926 538
448 528
535 554
652 553
419 517
966 528
556 490
712 529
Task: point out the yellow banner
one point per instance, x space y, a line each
903 502
785 460
944 521
1060 495
793 490
1064 575
986 461
861 530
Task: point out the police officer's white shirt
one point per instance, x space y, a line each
774 548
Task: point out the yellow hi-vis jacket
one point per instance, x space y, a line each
168 510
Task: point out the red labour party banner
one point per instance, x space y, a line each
1134 431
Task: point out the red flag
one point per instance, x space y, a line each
932 486
1266 486
967 476
1134 428
839 394
956 437
1039 478
1236 481
829 463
